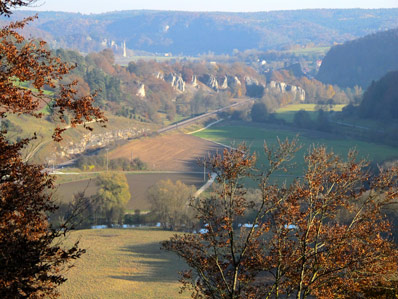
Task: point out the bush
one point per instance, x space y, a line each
89 163
259 112
302 119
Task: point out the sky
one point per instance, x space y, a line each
100 6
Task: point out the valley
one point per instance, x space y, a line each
258 151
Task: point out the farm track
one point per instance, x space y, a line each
196 118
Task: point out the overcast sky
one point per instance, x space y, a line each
99 6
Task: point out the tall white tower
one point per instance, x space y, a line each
124 49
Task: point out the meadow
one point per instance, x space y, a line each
287 112
307 107
123 264
254 136
309 51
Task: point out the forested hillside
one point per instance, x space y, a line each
144 88
360 61
193 33
380 101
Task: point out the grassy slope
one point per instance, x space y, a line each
45 129
123 264
255 136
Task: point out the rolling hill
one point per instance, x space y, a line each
193 33
361 61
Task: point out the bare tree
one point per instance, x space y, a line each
298 244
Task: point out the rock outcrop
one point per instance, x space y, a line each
212 82
91 141
194 81
175 81
224 83
159 75
141 91
236 80
282 87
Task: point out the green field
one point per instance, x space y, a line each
123 264
287 112
306 107
254 136
309 51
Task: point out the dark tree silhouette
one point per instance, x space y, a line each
6 6
31 254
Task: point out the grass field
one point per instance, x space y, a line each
138 183
123 264
306 107
254 136
287 112
309 51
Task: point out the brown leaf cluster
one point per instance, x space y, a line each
6 6
30 61
32 258
298 245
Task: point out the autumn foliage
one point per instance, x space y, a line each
31 255
323 236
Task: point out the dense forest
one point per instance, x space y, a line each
360 61
380 99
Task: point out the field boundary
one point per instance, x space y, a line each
208 126
206 186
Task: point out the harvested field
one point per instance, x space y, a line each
123 264
138 183
172 152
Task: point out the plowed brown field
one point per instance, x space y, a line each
173 152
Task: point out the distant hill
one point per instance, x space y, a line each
360 61
380 101
192 33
